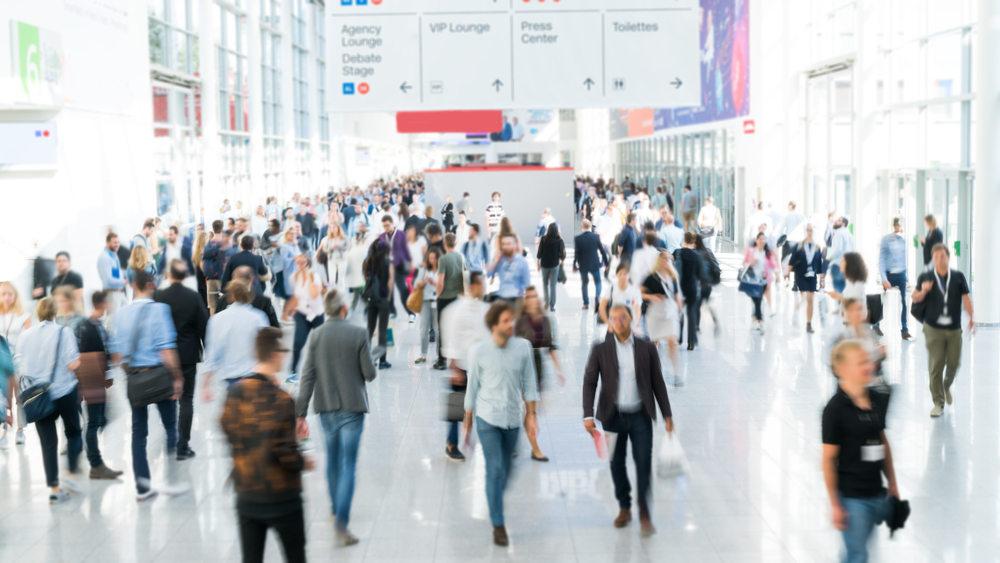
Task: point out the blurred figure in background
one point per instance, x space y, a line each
535 327
13 321
807 263
892 269
501 376
462 327
259 421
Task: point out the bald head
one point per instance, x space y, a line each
243 273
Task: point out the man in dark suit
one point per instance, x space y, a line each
588 258
399 253
180 250
245 257
631 385
259 302
630 239
190 320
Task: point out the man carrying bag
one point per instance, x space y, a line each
145 343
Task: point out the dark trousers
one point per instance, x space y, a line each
757 312
378 312
692 305
899 280
95 422
302 329
404 292
140 430
442 303
68 409
585 282
186 404
638 428
291 530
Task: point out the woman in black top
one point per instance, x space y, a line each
708 281
692 273
934 236
551 253
856 451
807 263
378 273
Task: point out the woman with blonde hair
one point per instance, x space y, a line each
13 321
662 304
199 274
335 247
140 261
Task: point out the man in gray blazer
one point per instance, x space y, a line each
337 365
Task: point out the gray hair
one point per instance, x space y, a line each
333 303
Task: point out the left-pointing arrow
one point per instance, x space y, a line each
404 87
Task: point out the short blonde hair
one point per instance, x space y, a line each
139 259
840 351
46 309
17 307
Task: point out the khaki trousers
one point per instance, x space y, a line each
944 352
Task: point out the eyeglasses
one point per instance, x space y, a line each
283 350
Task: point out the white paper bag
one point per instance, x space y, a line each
670 461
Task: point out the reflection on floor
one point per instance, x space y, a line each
748 417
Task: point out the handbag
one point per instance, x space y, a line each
149 385
561 276
751 284
455 407
35 400
706 232
415 302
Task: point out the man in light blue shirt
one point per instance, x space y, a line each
501 377
231 337
112 275
513 270
892 269
842 243
475 251
144 337
667 231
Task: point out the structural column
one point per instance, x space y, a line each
986 194
869 143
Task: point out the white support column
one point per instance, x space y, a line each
211 189
868 136
986 194
254 99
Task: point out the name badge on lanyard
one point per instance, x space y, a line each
945 318
873 453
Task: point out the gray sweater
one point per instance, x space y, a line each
338 363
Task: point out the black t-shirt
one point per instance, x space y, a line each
70 278
858 433
934 300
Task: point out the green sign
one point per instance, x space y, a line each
38 62
28 52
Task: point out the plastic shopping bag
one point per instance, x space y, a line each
670 461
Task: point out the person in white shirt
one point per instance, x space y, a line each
710 221
855 274
671 235
258 223
644 259
621 292
757 219
841 244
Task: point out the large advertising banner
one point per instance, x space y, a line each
725 71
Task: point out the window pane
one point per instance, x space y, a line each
156 9
157 36
944 130
944 65
906 74
943 14
161 105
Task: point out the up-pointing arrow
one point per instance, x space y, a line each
588 83
497 84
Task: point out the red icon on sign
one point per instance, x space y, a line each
376 2
45 133
363 88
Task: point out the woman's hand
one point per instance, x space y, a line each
839 517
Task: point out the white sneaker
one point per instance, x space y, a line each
69 482
937 411
19 438
176 490
3 442
150 493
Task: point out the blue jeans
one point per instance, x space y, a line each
453 434
863 514
140 429
637 427
343 437
899 280
549 278
498 451
95 422
302 329
585 281
838 278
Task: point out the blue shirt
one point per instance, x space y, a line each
110 270
498 377
672 237
514 276
230 341
34 357
158 333
892 255
476 253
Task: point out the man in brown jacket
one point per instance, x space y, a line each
93 382
259 420
631 385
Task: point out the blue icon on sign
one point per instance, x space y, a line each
38 133
345 2
348 88
362 2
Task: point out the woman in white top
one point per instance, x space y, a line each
308 292
335 247
259 222
855 275
417 245
661 291
427 278
461 230
13 321
355 267
621 292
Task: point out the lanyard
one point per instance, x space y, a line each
944 289
115 271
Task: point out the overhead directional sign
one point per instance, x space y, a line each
483 54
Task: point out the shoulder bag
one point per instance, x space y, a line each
751 284
415 302
35 400
148 385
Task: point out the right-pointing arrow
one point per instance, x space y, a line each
676 83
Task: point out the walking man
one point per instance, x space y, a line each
112 274
631 386
337 365
588 259
93 382
943 293
501 375
892 269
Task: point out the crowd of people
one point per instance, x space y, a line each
224 293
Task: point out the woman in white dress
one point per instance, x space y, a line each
661 293
13 321
335 247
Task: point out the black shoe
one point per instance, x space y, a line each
184 453
439 365
384 365
433 338
454 454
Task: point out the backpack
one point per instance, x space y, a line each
482 251
714 272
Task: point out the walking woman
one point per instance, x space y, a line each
763 264
139 261
427 278
13 322
856 452
334 245
199 274
551 253
692 274
620 292
308 292
378 291
852 265
534 326
48 353
661 292
807 263
285 288
448 215
934 236
712 277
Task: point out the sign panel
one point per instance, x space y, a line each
37 63
401 55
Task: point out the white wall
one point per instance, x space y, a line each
103 176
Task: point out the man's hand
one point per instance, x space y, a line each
301 428
562 378
178 388
38 292
467 423
457 377
207 391
590 426
886 285
972 326
839 517
531 426
670 425
308 463
926 286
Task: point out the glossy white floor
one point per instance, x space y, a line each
748 417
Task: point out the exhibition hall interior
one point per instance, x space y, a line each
429 281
